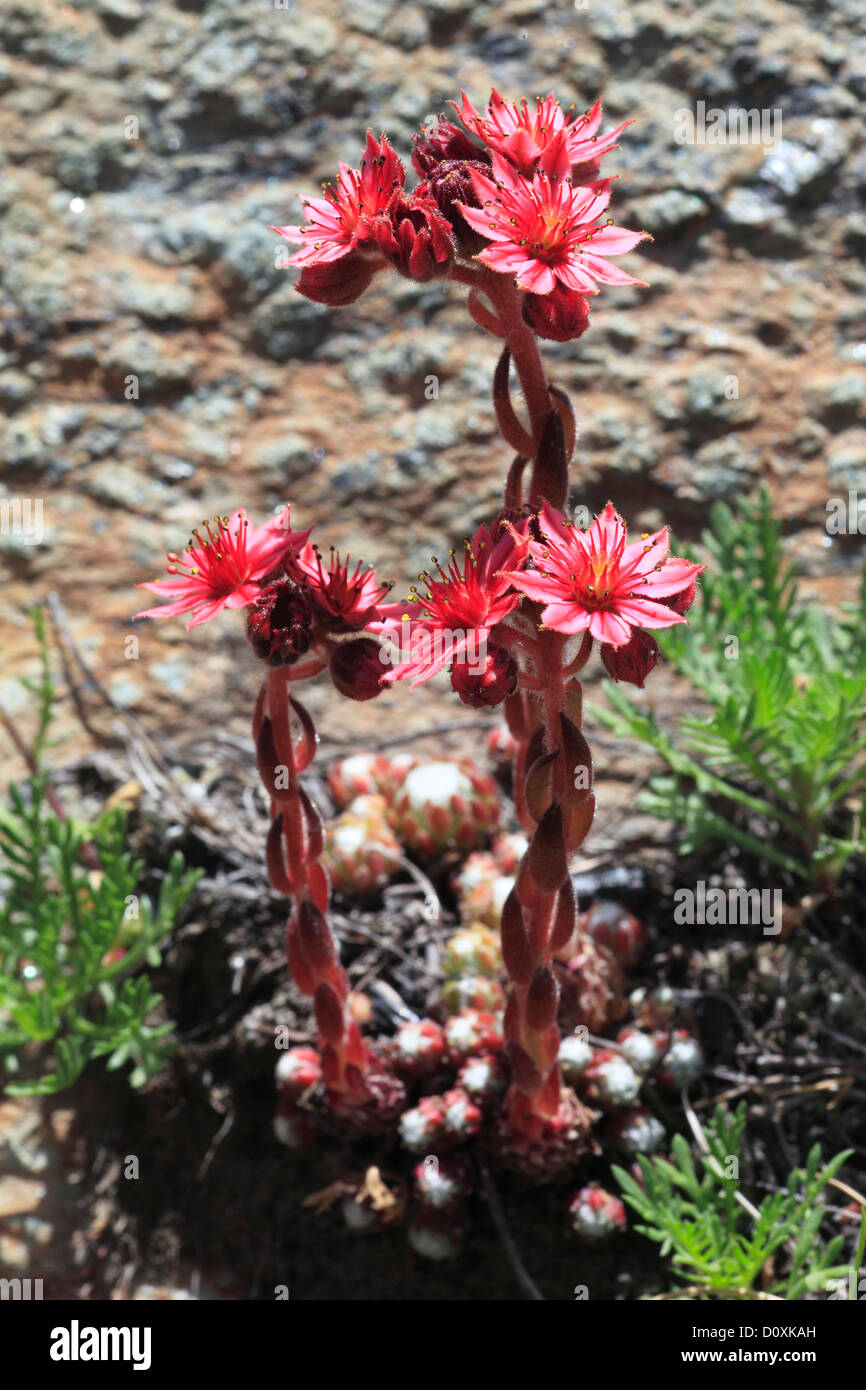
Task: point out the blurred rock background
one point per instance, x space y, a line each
156 367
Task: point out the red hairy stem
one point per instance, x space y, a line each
484 317
510 427
506 320
553 772
467 275
514 482
523 346
564 408
578 661
294 845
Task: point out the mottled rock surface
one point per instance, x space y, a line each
156 366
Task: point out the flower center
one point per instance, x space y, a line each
595 586
218 557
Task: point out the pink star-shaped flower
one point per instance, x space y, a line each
222 568
548 231
594 581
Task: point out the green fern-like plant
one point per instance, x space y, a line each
776 763
718 1242
73 933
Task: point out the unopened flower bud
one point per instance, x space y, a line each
560 316
357 669
633 661
449 185
442 143
280 625
488 683
339 282
416 238
681 602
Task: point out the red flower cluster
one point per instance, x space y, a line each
548 232
453 621
595 582
524 137
524 180
296 601
364 222
510 204
223 568
589 581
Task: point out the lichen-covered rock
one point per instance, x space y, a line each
441 1184
418 1048
361 853
682 1061
609 1081
474 950
445 805
472 1033
595 1214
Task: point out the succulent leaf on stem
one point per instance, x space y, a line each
294 845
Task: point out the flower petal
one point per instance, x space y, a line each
614 241
608 274
537 277
610 627
645 613
541 587
566 617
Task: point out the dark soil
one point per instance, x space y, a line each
218 1203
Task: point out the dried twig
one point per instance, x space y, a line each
452 727
491 1197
